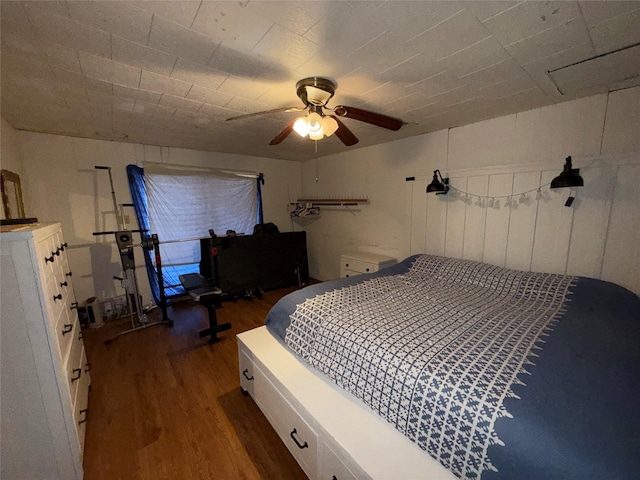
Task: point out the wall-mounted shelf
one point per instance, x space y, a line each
310 207
334 201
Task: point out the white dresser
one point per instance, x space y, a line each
45 376
363 262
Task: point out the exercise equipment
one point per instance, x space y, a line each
211 297
201 290
124 240
198 288
207 293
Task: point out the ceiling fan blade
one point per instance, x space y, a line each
277 110
283 134
344 134
377 119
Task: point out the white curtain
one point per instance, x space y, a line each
186 202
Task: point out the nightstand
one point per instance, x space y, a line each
363 262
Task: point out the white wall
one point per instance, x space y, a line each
10 158
61 184
596 237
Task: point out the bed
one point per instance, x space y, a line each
444 368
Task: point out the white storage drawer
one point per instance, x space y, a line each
333 468
363 262
295 432
246 372
359 266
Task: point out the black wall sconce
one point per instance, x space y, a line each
569 177
441 187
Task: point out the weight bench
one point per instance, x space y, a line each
200 290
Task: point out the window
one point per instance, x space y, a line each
182 203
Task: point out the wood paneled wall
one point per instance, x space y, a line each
598 236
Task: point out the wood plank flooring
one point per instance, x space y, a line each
166 405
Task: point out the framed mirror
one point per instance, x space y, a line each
11 195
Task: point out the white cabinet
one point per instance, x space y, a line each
363 262
331 434
45 375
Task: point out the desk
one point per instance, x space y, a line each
256 262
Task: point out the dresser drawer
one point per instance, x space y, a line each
66 332
358 265
44 255
81 402
57 297
296 433
75 366
346 273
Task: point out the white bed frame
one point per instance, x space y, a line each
330 433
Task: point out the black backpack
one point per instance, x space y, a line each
261 228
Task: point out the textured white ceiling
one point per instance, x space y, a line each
171 72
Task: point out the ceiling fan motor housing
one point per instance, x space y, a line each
315 90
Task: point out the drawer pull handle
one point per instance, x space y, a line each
67 328
367 269
246 370
87 367
334 477
74 305
303 445
64 284
68 274
48 259
63 246
56 253
57 297
83 411
76 371
346 264
80 335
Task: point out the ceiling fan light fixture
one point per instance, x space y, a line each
314 123
300 127
319 135
329 126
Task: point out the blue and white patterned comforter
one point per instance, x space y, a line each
495 373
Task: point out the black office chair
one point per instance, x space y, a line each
208 295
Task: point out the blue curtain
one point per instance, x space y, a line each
170 275
260 183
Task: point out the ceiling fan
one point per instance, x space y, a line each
315 93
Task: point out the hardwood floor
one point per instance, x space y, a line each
166 405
